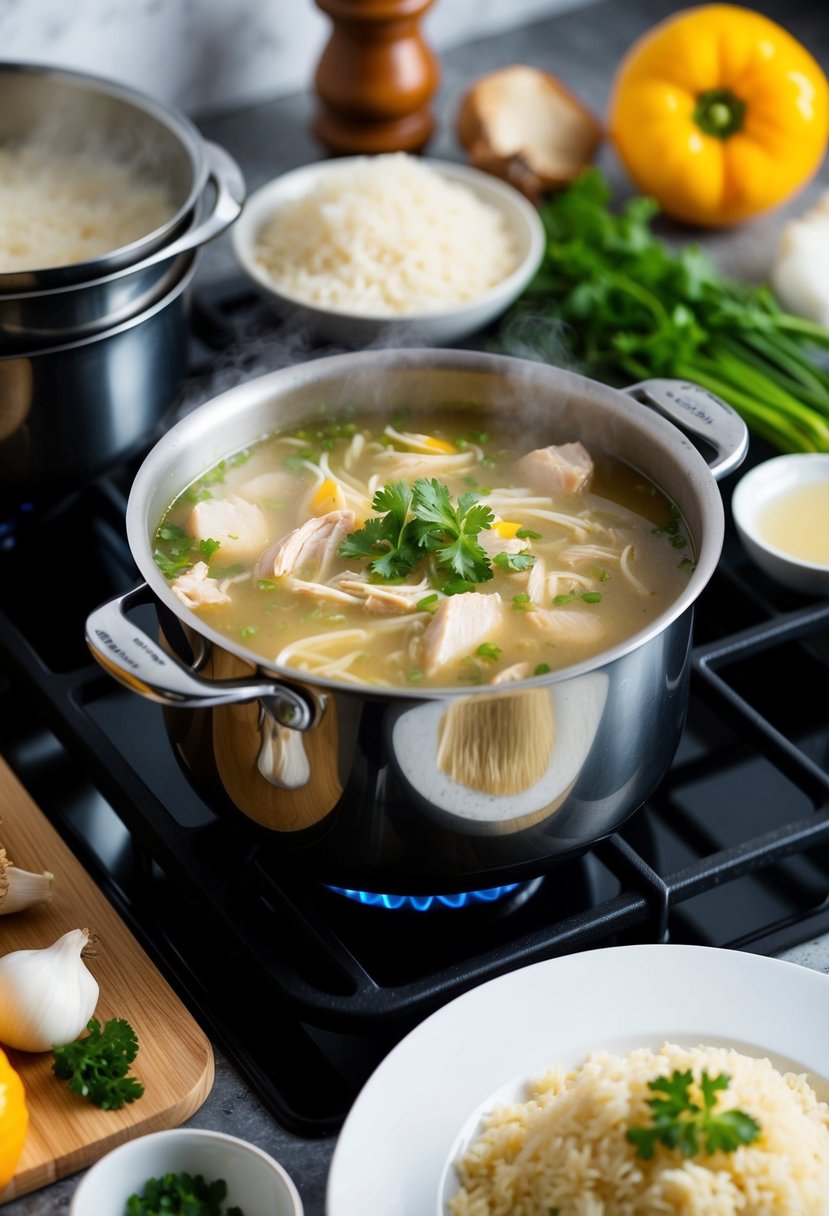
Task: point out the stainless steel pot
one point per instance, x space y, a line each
77 111
343 781
71 312
71 411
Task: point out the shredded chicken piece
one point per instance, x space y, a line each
460 623
567 624
379 599
309 548
326 592
238 525
277 486
196 589
559 469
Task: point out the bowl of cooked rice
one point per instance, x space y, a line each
386 248
672 1131
642 1080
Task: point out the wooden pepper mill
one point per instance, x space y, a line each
375 78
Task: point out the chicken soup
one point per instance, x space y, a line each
442 556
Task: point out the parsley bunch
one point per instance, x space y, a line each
180 1195
419 520
96 1066
679 1122
620 304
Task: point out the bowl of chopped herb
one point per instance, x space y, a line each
186 1169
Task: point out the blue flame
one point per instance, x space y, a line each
422 903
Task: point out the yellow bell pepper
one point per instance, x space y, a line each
14 1119
719 114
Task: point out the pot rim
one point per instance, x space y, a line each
176 122
232 403
171 293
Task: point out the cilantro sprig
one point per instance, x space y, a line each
181 549
96 1066
680 1122
422 520
180 1195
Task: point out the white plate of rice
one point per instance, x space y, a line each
644 1009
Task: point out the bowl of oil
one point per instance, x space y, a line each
781 513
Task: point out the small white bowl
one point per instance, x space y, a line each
436 327
255 1182
778 484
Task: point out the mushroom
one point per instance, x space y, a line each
522 124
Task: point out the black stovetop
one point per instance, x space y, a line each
304 991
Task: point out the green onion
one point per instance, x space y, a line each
488 650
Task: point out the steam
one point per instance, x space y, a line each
527 335
260 342
246 339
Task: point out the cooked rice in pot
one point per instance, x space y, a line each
565 1150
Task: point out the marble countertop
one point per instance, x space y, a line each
582 46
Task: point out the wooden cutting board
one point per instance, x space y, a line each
175 1059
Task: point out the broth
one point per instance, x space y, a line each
471 565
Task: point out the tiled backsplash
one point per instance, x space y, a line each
208 55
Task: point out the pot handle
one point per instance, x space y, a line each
231 190
698 412
135 660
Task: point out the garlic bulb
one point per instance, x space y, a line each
800 270
20 889
46 996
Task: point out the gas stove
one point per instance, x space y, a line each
304 987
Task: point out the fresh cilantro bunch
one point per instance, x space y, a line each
679 1122
421 520
180 1195
615 301
96 1066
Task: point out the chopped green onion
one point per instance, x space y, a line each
488 650
429 603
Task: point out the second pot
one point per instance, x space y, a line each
71 312
70 412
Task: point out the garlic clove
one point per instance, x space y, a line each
47 996
19 889
799 273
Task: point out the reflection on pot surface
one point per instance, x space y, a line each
367 789
501 762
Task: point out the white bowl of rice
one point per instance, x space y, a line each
389 248
560 1142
